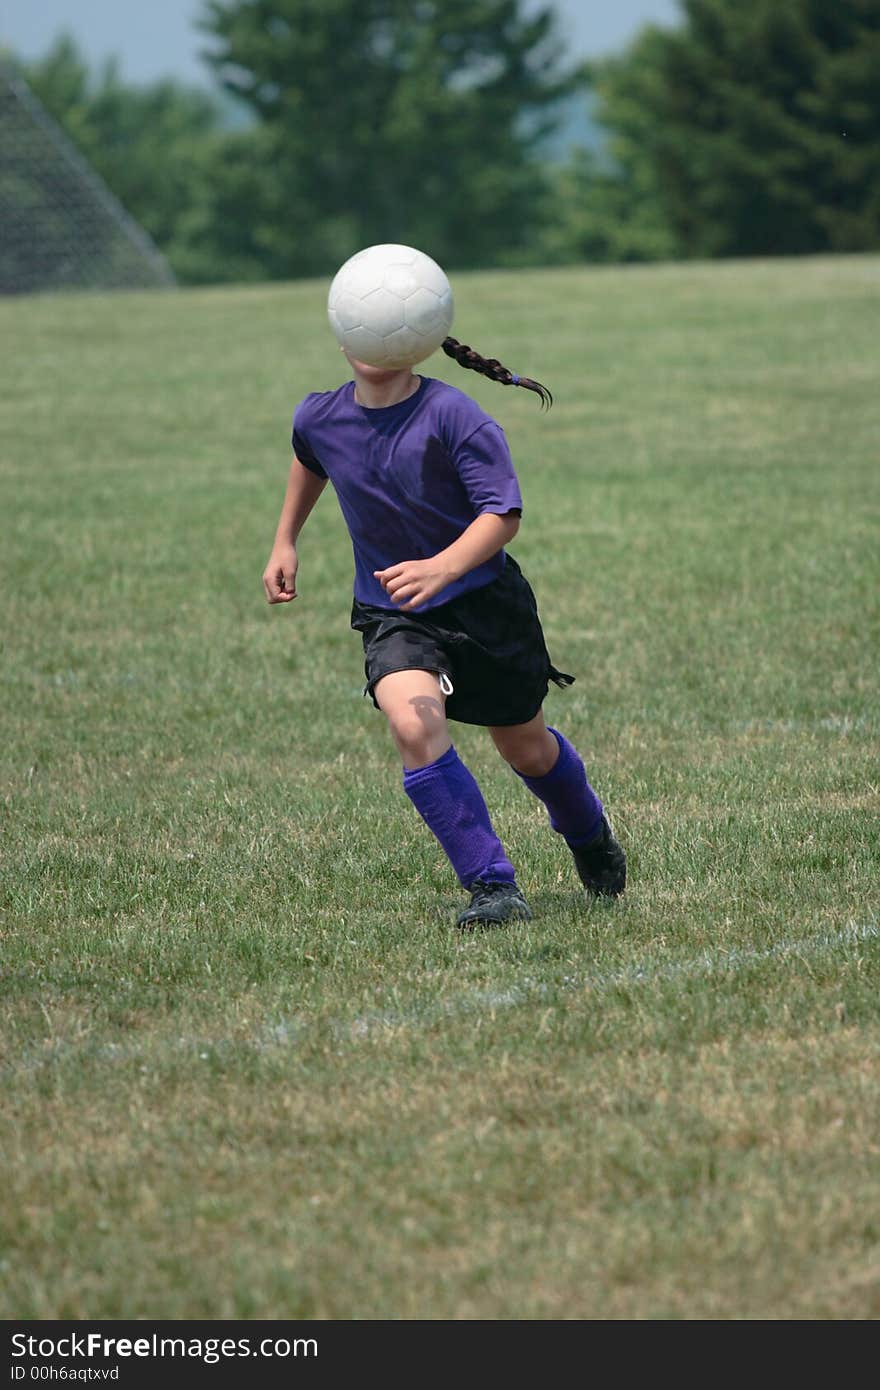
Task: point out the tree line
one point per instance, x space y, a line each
752 127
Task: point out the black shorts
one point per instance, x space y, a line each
488 644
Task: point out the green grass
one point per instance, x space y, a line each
248 1070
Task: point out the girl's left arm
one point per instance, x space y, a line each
412 582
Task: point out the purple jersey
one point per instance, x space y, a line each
409 477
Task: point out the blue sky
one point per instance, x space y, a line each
157 38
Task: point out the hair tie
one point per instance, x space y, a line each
514 379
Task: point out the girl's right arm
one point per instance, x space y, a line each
303 490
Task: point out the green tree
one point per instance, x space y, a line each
755 127
393 120
603 213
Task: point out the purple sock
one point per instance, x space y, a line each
447 798
575 809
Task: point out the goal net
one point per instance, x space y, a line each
60 226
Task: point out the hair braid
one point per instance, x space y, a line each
466 357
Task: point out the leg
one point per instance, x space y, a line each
446 795
415 708
552 770
530 748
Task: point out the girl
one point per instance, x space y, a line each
450 626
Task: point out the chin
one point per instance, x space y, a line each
375 373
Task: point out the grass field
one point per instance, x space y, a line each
248 1070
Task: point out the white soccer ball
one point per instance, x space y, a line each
390 306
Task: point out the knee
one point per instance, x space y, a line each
533 752
420 735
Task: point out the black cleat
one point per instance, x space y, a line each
601 864
493 903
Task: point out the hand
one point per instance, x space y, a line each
414 581
279 576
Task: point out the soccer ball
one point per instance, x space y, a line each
390 306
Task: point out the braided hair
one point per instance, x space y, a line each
490 366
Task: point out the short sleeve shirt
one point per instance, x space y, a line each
410 477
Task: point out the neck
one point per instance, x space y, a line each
381 388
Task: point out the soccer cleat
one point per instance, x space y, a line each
493 903
601 864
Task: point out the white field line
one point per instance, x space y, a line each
290 1032
831 724
528 990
